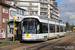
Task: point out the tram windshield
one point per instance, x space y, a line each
29 26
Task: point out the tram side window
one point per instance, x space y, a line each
57 28
61 28
52 28
44 28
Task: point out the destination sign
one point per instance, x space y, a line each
29 19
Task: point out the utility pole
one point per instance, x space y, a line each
14 18
68 25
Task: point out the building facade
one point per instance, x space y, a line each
47 8
16 11
4 16
7 12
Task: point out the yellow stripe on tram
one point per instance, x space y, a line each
54 35
27 35
63 34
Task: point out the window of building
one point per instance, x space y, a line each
27 12
35 12
5 10
26 8
2 31
22 12
32 12
18 11
5 19
35 4
25 3
43 13
45 0
15 2
40 0
12 13
35 8
43 9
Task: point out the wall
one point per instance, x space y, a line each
4 15
0 18
11 17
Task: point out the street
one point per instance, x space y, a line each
67 43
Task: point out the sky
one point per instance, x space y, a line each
65 7
58 1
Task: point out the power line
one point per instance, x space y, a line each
71 4
68 10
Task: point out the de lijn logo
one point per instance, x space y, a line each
1 36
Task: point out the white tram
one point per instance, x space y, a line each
40 28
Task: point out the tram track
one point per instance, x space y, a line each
57 44
35 45
65 44
38 47
70 47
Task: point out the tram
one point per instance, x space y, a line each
40 28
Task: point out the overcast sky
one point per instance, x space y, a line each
67 5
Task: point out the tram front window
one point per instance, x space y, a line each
29 26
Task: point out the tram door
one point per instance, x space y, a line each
19 32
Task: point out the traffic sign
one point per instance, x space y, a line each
1 36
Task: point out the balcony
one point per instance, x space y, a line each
43 10
20 5
34 9
27 14
43 5
54 17
44 14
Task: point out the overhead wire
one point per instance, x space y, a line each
68 10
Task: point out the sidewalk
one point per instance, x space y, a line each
2 40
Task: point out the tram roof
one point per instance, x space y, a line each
45 18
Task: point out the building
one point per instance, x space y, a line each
7 13
47 8
16 11
4 16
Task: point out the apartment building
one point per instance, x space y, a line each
47 8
